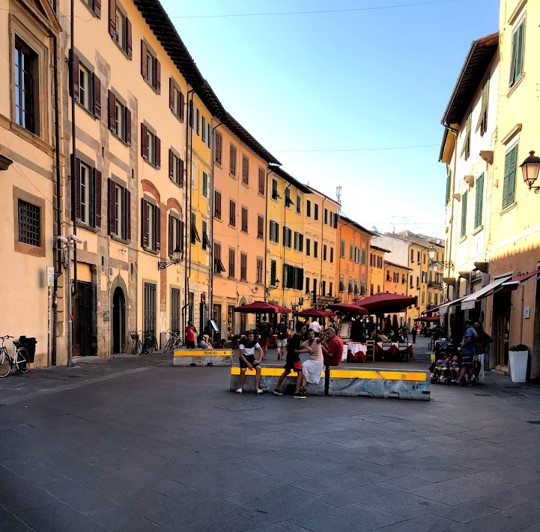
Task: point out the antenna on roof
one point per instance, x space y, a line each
338 196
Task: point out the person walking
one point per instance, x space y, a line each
468 351
282 335
482 341
315 326
413 333
249 348
292 362
191 334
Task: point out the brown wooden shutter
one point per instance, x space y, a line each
112 18
74 75
217 205
158 229
182 230
97 96
144 66
97 200
127 213
97 8
145 223
111 208
182 105
129 38
158 76
170 235
77 200
112 112
171 94
144 142
171 164
128 126
158 151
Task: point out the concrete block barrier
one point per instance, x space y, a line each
381 383
203 357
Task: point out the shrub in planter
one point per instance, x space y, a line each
518 347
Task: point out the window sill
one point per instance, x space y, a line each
87 227
34 139
513 88
150 250
149 83
479 229
119 239
509 208
120 47
90 112
150 163
117 137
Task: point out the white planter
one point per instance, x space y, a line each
518 365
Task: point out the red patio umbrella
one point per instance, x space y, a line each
314 313
385 302
349 308
258 307
428 318
283 310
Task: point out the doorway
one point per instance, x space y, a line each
118 320
84 320
501 328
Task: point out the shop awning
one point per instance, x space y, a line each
512 284
469 302
443 309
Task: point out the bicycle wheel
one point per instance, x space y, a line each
4 364
22 360
151 345
169 345
137 347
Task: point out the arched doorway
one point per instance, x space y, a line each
118 320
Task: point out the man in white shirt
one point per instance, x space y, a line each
315 326
248 348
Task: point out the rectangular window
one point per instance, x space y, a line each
324 252
316 211
315 249
244 221
218 147
262 179
194 233
287 237
288 200
518 43
298 204
232 213
275 193
119 211
149 307
298 241
94 6
260 227
218 264
245 169
273 273
326 216
308 246
232 160
205 184
509 183
341 283
243 267
203 129
150 67
342 249
150 146
205 237
175 309
29 223
26 85
119 118
274 232
307 285
150 226
331 254
176 100
87 203
308 208
217 205
259 278
478 207
232 263
176 169
464 199
176 235
120 27
363 257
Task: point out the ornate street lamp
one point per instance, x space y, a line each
176 258
435 264
531 168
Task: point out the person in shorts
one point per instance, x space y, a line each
251 354
468 351
282 335
292 362
264 335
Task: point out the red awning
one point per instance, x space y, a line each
385 302
348 308
512 284
258 307
315 313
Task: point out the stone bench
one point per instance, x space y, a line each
202 357
381 383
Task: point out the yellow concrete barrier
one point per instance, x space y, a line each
202 357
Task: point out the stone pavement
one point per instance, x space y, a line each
134 444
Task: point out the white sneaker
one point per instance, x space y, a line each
239 390
259 391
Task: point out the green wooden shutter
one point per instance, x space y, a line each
448 187
464 200
478 208
509 184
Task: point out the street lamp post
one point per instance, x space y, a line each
531 168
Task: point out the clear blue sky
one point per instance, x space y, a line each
344 93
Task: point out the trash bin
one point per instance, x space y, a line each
518 365
30 344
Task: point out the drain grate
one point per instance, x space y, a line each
534 422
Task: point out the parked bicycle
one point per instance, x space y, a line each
19 360
143 342
174 341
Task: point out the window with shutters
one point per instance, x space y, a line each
308 246
119 118
288 200
448 186
518 45
176 168
94 6
323 288
150 146
331 254
464 201
315 249
26 86
119 210
275 193
204 184
203 129
298 204
342 249
205 237
218 147
287 237
262 179
244 221
274 232
194 232
243 266
150 226
259 271
218 264
466 146
260 227
315 211
150 67
120 27
341 283
232 160
86 87
175 309
363 256
308 208
232 263
87 202
175 234
509 183
176 100
307 283
298 241
326 216
330 288
479 204
217 205
245 170
293 277
273 273
324 252
232 213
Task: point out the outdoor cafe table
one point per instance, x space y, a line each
357 351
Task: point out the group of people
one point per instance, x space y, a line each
265 332
195 341
467 368
325 348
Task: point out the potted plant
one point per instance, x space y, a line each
519 356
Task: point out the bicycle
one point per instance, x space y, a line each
149 342
174 340
137 344
19 360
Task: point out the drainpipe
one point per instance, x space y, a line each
271 171
322 243
284 248
73 147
